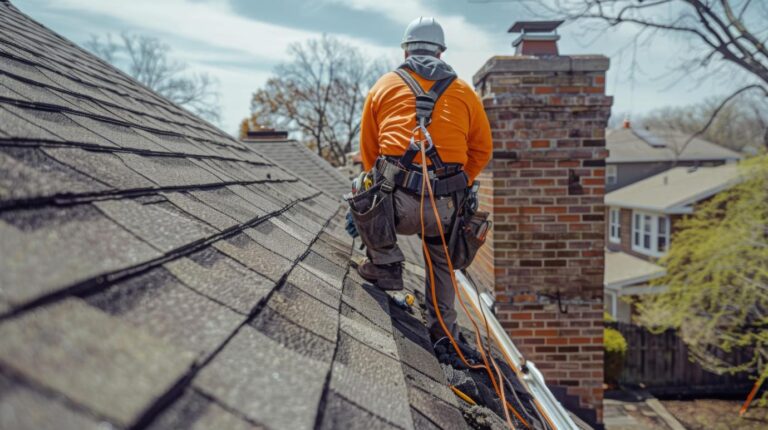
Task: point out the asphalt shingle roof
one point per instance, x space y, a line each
297 158
676 190
157 273
626 145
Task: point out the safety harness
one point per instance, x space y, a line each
445 178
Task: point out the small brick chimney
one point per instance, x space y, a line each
537 38
544 189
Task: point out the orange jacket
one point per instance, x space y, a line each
459 128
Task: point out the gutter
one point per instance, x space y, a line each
526 371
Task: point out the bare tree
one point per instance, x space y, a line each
722 33
738 126
148 60
319 93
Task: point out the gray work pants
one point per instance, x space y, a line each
408 222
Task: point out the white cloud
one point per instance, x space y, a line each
208 32
469 46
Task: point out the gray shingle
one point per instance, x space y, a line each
225 200
14 126
197 208
252 195
293 336
327 271
341 413
265 381
121 362
158 303
314 286
24 408
172 143
169 171
160 224
370 335
50 248
120 135
415 348
445 416
439 389
245 250
60 125
20 90
215 275
193 411
278 240
24 70
373 380
368 301
103 166
27 173
306 311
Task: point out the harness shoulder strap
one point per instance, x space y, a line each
412 84
425 104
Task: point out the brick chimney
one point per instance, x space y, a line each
544 188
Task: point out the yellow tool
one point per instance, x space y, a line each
405 301
463 396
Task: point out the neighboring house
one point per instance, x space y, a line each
641 222
636 154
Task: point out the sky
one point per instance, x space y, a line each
239 42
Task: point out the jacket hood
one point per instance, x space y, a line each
429 67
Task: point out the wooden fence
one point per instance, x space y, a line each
660 364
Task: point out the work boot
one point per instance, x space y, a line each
386 276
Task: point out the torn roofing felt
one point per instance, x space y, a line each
157 273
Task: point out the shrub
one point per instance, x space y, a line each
615 352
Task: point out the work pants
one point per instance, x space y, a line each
408 222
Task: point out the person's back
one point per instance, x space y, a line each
459 127
462 138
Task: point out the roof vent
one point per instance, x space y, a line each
537 38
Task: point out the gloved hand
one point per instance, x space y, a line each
351 227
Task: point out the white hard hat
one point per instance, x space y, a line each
424 30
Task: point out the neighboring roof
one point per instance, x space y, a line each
624 270
628 145
157 273
307 165
675 190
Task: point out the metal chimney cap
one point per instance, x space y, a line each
534 26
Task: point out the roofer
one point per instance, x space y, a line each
461 137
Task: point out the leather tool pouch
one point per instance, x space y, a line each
470 236
374 214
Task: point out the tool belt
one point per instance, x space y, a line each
445 180
373 209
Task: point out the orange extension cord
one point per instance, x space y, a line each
499 389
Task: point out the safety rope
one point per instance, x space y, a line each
426 185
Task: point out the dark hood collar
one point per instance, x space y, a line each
428 67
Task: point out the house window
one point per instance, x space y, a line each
662 238
650 233
611 175
614 225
